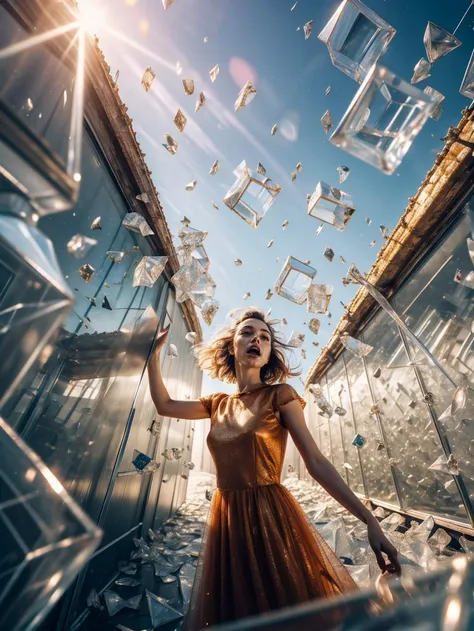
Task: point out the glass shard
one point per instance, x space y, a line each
444 465
180 120
261 169
269 294
331 205
328 90
187 276
171 144
360 349
274 130
127 581
188 85
185 221
296 340
191 185
294 6
209 310
293 176
167 3
340 411
358 441
245 96
191 337
172 351
148 270
329 254
368 221
326 121
299 167
192 238
314 325
214 72
79 245
215 168
137 223
215 205
115 603
294 280
439 541
161 612
96 224
308 29
343 173
421 71
148 77
106 304
384 118
467 84
246 295
438 42
86 271
200 102
319 297
238 262
438 110
285 224
356 38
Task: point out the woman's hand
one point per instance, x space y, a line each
380 544
160 341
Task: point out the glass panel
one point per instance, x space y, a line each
334 384
322 424
377 474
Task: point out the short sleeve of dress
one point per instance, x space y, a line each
286 394
207 402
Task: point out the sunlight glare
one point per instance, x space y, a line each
91 17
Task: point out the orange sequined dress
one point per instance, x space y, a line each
259 552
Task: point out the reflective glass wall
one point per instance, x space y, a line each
401 403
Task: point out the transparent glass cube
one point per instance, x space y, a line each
204 290
331 205
384 118
467 85
294 280
199 253
251 195
45 538
356 38
41 127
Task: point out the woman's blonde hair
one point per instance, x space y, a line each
215 357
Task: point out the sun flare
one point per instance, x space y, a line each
91 16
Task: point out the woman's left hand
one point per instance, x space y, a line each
380 544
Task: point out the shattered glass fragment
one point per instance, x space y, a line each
284 322
187 277
209 310
307 262
269 294
238 262
28 106
106 304
148 270
213 73
320 227
269 312
215 168
96 224
200 102
343 172
179 68
127 581
326 121
161 612
377 373
148 77
206 39
444 465
299 167
274 130
329 254
360 349
188 85
314 325
261 169
87 271
319 297
79 245
180 120
93 599
294 6
172 351
328 90
340 411
368 221
308 29
466 544
467 84
372 243
285 224
296 340
384 231
293 176
191 337
303 353
294 280
421 71
171 144
115 603
358 441
208 495
185 221
391 523
137 223
215 205
143 197
342 259
245 96
192 238
167 4
438 42
246 295
191 185
439 541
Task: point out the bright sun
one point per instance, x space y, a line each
91 16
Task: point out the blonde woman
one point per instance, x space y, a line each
259 552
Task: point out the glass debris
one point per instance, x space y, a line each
356 38
86 271
299 167
270 243
326 121
358 441
127 581
340 411
246 295
215 168
215 205
238 262
372 243
209 310
161 612
293 176
360 349
285 224
438 110
180 120
137 223
79 245
319 228
167 3
314 325
342 259
274 130
328 90
383 119
467 84
172 351
368 221
148 77
294 6
245 96
269 294
97 224
213 73
188 85
303 353
438 42
308 29
148 270
439 541
28 106
191 185
343 173
179 68
191 337
296 340
319 297
294 280
116 257
192 238
251 195
200 102
185 221
106 304
261 169
444 465
329 254
331 205
187 276
116 603
143 197
384 231
459 400
421 71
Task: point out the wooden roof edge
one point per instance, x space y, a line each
429 212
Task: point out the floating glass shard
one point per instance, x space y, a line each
293 176
421 71
169 578
171 144
294 6
192 238
439 541
167 4
372 243
246 295
137 223
191 337
148 270
328 90
466 544
96 224
185 221
127 581
251 195
79 245
148 77
172 351
187 276
467 84
444 465
87 271
285 224
209 310
191 185
238 262
106 304
324 406
200 102
168 454
245 96
368 221
329 254
314 325
215 168
203 290
319 297
384 118
215 205
299 167
213 73
143 197
320 227
296 340
308 29
391 523
356 38
261 169
269 294
467 281
160 611
274 130
188 85
326 121
358 441
360 349
438 110
180 120
116 257
294 280
343 172
93 599
346 465
438 42
115 603
270 243
340 411
303 353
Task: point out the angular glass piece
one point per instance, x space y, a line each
191 186
143 197
93 599
148 270
439 540
329 254
190 237
246 295
251 195
326 121
167 4
308 29
343 173
203 290
467 84
127 581
180 120
340 411
438 110
188 85
449 466
172 351
79 245
106 304
358 441
319 297
296 340
324 406
200 102
274 130
314 325
438 42
285 224
187 276
209 310
331 205
137 223
96 224
191 337
86 271
148 77
294 280
160 611
214 72
356 38
356 346
245 96
215 168
269 294
238 262
421 71
115 603
466 544
171 144
391 523
384 118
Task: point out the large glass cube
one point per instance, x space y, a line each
356 38
251 195
384 118
331 205
294 280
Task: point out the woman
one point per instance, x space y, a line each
259 551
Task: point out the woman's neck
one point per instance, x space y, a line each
247 379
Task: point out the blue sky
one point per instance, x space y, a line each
258 40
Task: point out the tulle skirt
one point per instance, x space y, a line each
260 553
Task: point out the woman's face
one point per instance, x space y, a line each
252 343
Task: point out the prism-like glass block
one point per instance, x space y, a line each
204 290
251 195
294 280
199 253
438 42
331 205
356 38
45 537
467 85
384 118
319 297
